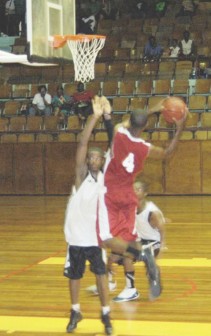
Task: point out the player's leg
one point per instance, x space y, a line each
74 270
116 228
139 253
153 271
113 258
129 293
155 287
110 275
98 267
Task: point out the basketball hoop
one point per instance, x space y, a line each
84 50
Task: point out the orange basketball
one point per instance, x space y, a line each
173 107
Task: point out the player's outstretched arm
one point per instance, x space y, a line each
97 113
162 153
106 106
156 108
157 222
81 153
107 109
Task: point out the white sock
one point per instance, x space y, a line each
76 307
110 276
130 278
105 310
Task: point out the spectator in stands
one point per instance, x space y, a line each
3 28
187 47
152 50
10 18
87 23
138 9
62 105
124 10
187 8
20 12
95 8
82 100
41 103
106 10
160 8
174 49
113 9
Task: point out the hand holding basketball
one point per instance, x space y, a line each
181 122
156 108
174 109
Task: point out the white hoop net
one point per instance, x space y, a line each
84 51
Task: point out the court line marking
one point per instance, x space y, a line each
121 327
27 267
12 324
194 262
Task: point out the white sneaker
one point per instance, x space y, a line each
93 288
128 294
112 286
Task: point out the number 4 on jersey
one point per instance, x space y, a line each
128 163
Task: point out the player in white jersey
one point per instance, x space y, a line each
80 226
83 229
149 219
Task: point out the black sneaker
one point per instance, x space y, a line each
155 286
107 323
153 272
75 317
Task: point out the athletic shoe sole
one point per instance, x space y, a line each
119 299
153 274
155 287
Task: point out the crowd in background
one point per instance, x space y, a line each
61 104
90 12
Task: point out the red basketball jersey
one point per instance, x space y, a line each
127 160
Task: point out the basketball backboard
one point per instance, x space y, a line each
46 18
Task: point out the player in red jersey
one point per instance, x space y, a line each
118 207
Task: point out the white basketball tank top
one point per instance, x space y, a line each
144 229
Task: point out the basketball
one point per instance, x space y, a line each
173 108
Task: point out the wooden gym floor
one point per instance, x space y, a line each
34 298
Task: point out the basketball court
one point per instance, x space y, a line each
35 296
34 293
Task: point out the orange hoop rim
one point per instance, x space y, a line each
81 37
60 40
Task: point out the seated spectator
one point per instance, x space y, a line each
20 11
113 10
138 9
3 27
87 24
124 10
82 100
105 11
187 47
10 18
41 103
62 105
174 49
95 8
160 8
187 8
152 50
